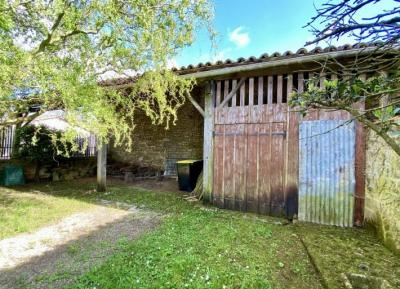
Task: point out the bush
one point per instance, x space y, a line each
39 145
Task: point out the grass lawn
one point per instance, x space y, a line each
23 210
202 247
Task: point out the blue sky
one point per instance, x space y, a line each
253 27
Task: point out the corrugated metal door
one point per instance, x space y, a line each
326 172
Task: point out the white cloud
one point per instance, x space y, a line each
214 56
171 63
110 74
239 37
222 55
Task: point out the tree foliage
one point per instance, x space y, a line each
371 77
39 144
54 53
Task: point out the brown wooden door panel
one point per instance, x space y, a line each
218 196
264 169
239 169
250 158
252 164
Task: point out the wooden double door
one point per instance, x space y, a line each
251 162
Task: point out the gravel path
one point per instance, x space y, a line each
53 256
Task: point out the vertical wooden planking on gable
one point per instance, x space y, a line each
226 89
331 115
323 113
242 110
234 82
300 82
242 94
218 100
218 112
279 113
208 145
322 78
251 91
270 89
256 111
260 90
279 89
268 110
313 114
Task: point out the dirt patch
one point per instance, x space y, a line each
55 255
160 185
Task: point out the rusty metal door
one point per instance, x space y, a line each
327 172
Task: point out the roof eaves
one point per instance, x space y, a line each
276 59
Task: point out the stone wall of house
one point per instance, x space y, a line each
153 145
382 204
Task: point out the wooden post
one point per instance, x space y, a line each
101 167
360 163
208 156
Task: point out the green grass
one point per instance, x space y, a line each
22 211
206 248
199 246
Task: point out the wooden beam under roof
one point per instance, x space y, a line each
195 104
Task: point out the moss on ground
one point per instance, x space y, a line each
349 250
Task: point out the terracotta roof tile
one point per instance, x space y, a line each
252 59
274 56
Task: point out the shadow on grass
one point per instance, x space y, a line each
140 193
202 247
62 265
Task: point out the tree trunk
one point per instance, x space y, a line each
37 170
101 167
198 190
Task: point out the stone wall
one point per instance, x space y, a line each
153 145
382 204
68 169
